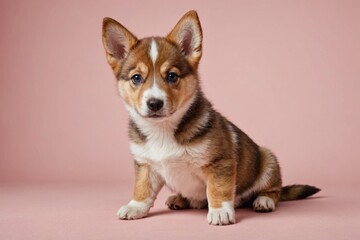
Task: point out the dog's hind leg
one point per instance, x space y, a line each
269 194
266 201
177 202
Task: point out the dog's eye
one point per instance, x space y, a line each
172 77
137 79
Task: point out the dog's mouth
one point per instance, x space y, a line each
155 115
158 115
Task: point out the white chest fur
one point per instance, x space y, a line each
179 165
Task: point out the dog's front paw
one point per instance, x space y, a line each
221 216
133 210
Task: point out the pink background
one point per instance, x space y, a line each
286 72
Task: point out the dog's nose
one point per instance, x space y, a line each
155 104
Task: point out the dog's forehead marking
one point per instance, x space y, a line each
153 51
154 90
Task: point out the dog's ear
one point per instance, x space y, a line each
187 35
117 41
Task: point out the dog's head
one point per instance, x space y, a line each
156 76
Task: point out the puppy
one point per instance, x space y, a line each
178 139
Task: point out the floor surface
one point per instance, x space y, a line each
89 212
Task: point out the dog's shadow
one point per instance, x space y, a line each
241 214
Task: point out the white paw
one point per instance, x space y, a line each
222 216
263 204
133 210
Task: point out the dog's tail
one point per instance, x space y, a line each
294 192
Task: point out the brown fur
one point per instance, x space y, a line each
142 186
232 166
177 202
